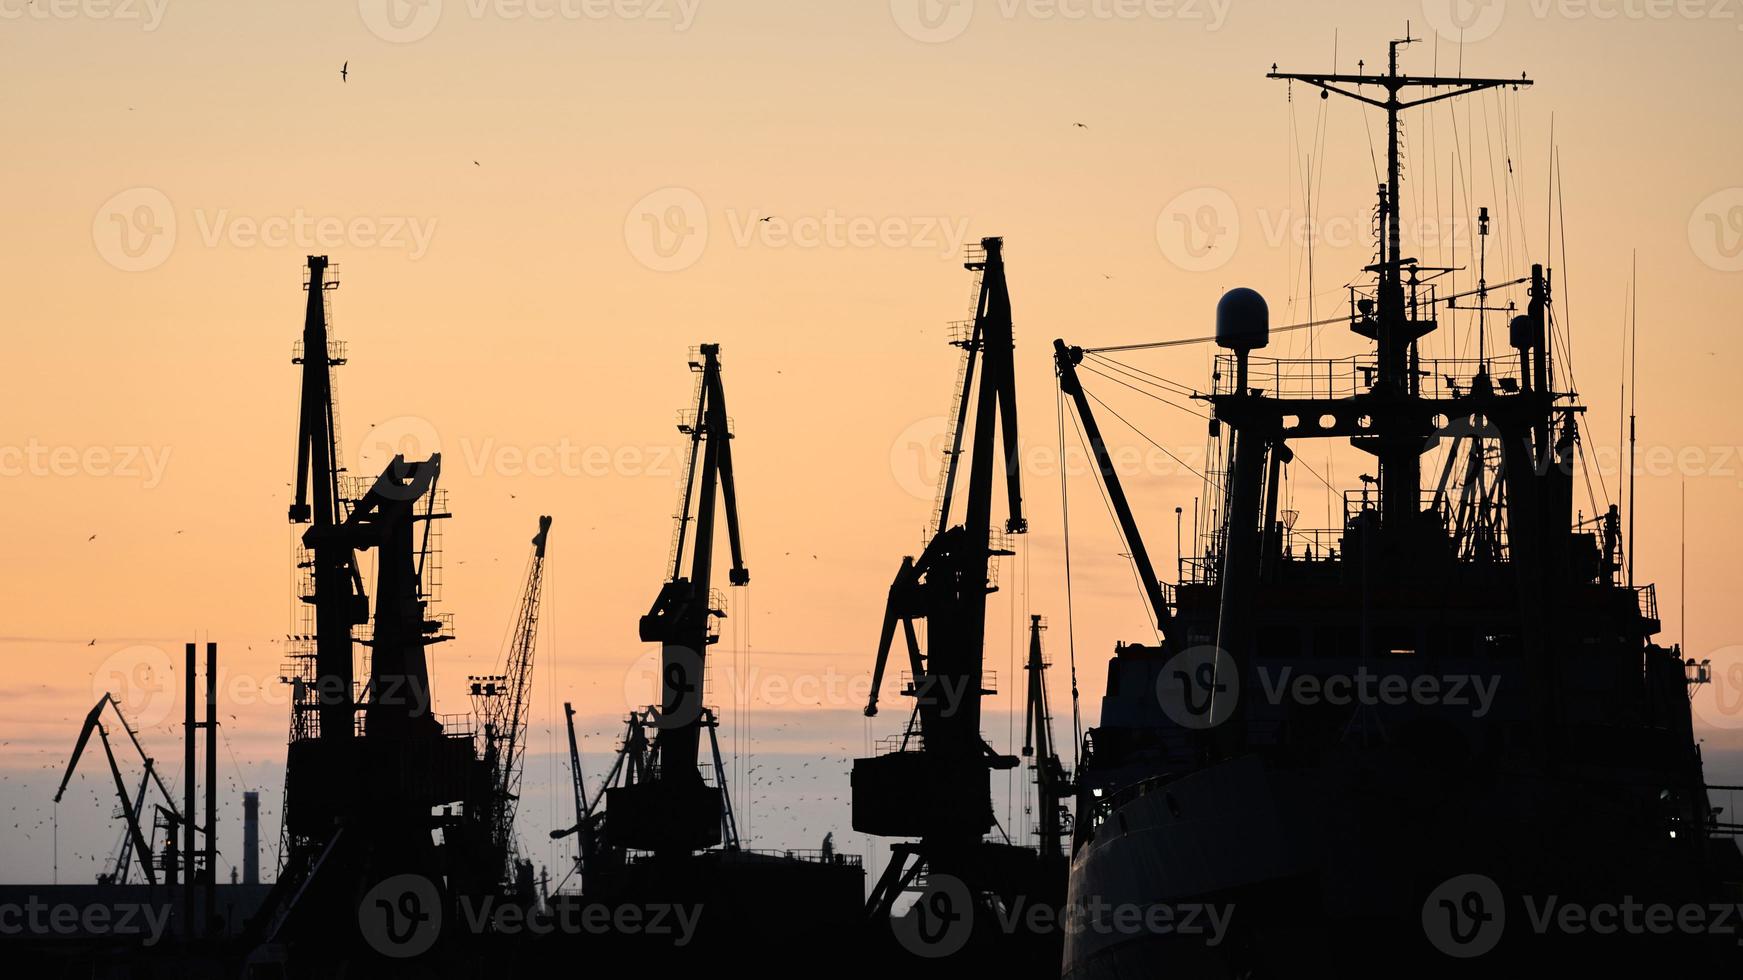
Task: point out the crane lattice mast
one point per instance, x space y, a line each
503 700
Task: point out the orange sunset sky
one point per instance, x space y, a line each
536 208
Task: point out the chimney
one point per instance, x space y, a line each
251 838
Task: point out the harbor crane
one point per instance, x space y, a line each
662 803
501 702
135 843
936 785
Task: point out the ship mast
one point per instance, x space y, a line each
1396 330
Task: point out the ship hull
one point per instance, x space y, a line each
1265 870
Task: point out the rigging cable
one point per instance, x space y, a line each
1070 618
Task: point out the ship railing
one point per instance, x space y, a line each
335 352
458 726
891 744
1646 600
1716 827
1199 569
1347 377
1357 502
808 855
1313 543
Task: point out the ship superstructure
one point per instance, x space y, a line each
1372 742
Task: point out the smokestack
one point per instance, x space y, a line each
189 814
211 780
251 838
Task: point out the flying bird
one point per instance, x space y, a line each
1080 125
344 71
769 218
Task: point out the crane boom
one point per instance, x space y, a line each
1066 360
513 722
129 810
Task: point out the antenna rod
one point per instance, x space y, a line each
1633 401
